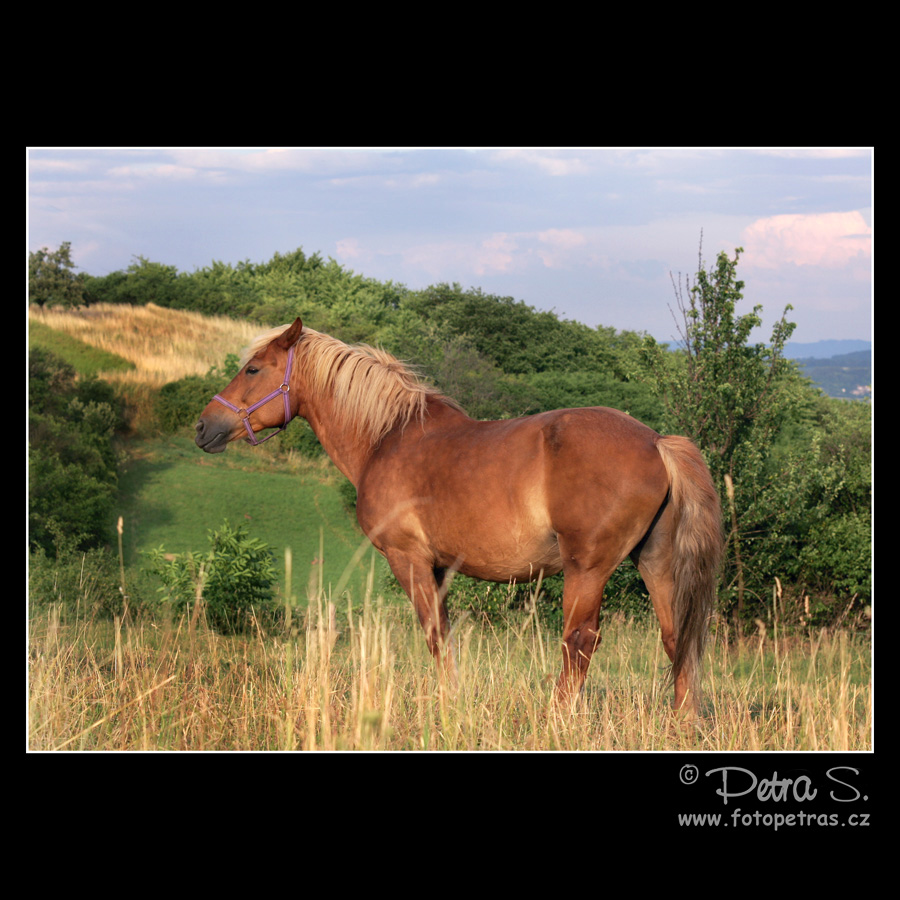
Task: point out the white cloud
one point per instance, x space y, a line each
830 240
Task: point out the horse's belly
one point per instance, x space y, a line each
495 556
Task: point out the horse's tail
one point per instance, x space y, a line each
697 553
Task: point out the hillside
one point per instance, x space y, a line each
848 375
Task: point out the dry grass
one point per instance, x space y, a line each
361 679
164 344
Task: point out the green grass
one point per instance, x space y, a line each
172 494
85 359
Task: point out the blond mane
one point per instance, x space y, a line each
372 390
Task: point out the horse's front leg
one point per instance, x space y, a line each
426 586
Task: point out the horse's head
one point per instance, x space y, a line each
256 399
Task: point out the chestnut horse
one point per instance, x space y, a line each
573 490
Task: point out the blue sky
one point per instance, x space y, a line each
594 234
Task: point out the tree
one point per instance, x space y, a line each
730 396
152 282
52 279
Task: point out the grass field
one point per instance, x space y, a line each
358 677
351 671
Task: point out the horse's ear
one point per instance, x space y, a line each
291 336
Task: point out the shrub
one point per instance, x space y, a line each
72 461
234 579
88 585
180 403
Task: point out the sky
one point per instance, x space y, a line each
593 234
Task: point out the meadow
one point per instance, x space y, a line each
357 676
349 669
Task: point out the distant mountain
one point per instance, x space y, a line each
824 349
841 368
847 374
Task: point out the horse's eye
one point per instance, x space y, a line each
252 370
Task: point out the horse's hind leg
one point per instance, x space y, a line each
582 598
585 573
654 558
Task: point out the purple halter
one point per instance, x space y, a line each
283 389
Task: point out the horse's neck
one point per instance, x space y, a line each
345 448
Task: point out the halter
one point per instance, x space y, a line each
283 389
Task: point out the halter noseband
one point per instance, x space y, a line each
283 389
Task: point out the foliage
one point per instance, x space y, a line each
725 393
233 580
87 584
829 494
142 282
72 461
179 403
625 594
555 390
517 338
52 279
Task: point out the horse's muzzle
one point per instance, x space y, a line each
211 436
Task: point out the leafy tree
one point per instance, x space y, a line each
152 282
51 278
727 394
731 397
515 336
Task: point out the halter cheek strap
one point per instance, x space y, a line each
283 390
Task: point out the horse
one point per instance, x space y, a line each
572 490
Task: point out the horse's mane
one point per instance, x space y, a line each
372 390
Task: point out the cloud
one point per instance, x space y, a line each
496 254
551 162
557 245
830 240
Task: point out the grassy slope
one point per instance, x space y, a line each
173 494
84 358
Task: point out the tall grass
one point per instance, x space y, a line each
358 677
164 344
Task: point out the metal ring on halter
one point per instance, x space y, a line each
283 390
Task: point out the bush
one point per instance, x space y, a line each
88 585
625 594
72 461
234 579
179 403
